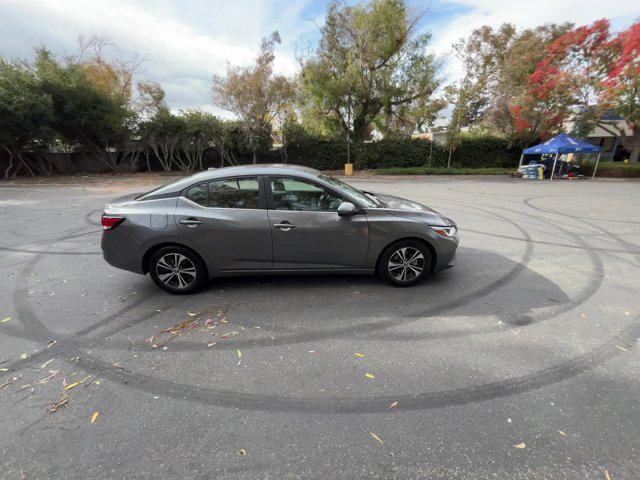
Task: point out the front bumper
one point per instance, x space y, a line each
446 249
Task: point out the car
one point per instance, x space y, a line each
272 219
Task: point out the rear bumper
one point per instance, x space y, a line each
121 251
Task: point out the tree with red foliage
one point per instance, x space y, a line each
586 72
621 89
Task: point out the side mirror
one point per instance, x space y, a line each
346 209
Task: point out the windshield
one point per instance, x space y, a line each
362 198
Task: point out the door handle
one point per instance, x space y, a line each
190 222
284 226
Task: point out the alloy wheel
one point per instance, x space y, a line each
176 270
406 264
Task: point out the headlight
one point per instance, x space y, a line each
445 231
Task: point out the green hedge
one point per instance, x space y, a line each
444 171
331 153
612 169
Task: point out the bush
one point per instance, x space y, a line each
485 151
612 169
331 153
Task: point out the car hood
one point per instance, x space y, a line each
410 209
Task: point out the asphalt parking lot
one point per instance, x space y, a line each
521 362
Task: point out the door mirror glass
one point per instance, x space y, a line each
346 209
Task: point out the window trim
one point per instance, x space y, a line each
262 200
271 202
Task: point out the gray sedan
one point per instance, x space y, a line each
272 219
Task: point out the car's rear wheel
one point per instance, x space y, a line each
177 270
405 263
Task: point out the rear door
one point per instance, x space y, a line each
228 220
307 231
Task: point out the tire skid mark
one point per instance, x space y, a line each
528 202
362 405
426 400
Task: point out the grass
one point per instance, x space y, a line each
443 171
605 170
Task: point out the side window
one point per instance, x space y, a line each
198 194
234 193
297 194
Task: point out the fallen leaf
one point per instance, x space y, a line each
64 399
46 380
72 385
94 417
5 320
584 316
239 353
606 475
376 437
394 404
520 445
46 363
369 375
358 355
242 452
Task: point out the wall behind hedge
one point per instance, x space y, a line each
331 153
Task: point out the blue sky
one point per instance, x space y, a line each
186 42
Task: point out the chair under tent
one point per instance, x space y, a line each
560 145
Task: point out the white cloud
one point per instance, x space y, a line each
184 43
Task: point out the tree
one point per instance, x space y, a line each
494 90
254 94
570 76
621 88
370 67
586 72
149 101
25 119
83 113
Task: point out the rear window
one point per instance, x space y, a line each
198 194
227 193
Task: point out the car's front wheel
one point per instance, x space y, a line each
177 270
405 263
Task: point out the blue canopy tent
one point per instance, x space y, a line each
562 144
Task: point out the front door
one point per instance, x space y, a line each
307 231
226 218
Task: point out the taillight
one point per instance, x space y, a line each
109 222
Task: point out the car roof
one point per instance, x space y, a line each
262 169
234 171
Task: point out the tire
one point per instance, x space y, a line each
405 263
191 277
